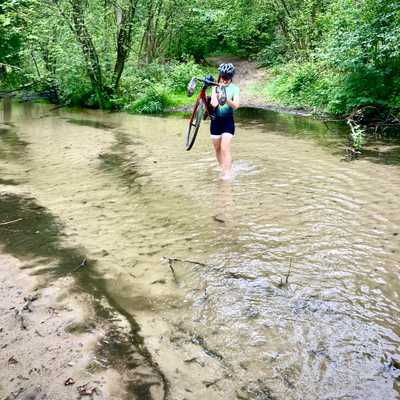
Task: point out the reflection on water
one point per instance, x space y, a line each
7 109
280 284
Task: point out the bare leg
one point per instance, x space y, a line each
225 154
217 148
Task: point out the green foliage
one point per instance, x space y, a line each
315 85
75 88
199 35
11 43
300 85
355 63
273 54
204 28
335 55
154 100
179 74
153 88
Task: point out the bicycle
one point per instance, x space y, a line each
202 107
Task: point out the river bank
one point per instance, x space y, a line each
49 339
60 336
250 78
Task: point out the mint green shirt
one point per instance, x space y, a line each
231 91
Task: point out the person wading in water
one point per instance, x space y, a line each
222 126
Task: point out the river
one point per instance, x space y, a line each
282 283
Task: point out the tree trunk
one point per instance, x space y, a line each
124 42
88 49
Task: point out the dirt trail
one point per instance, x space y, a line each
248 75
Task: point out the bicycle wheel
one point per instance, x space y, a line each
194 125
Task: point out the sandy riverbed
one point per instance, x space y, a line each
54 338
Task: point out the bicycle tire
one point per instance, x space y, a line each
194 125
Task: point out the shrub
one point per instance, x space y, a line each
154 100
152 88
332 90
179 74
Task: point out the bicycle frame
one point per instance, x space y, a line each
201 110
203 97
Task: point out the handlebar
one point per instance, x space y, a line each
207 82
192 84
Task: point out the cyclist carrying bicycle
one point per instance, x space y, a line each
222 127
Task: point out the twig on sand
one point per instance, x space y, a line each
12 360
85 390
26 307
28 300
210 383
19 317
10 222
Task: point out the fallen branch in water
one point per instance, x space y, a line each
11 222
18 89
196 339
170 261
217 219
81 265
237 275
285 283
187 261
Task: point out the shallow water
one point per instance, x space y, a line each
282 283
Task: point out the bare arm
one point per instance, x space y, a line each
233 103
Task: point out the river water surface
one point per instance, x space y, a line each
282 283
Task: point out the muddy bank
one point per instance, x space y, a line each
49 340
60 336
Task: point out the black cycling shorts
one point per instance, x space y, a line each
220 125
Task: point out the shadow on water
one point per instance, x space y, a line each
11 146
35 234
327 134
91 123
123 161
9 182
293 125
385 152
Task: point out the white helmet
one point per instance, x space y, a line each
227 70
